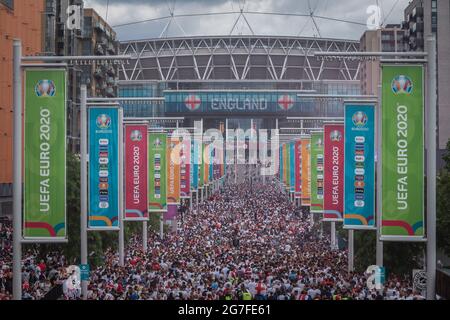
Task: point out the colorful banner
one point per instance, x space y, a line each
359 192
211 154
195 146
317 172
103 206
173 170
280 164
306 172
185 168
292 166
45 155
285 164
402 153
333 204
201 165
136 160
298 169
288 167
206 160
157 172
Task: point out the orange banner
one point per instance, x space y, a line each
173 171
306 172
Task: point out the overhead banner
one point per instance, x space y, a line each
333 204
103 168
136 159
292 166
359 192
306 172
185 167
402 153
298 169
173 170
45 155
317 172
157 168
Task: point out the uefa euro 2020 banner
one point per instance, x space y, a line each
173 170
333 202
306 171
402 153
185 167
157 166
292 166
103 206
359 191
298 169
45 155
136 160
316 172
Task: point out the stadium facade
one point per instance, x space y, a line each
236 78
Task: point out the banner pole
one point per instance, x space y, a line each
144 236
333 235
431 170
351 253
83 186
379 243
17 171
161 225
121 192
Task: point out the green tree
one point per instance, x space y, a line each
443 205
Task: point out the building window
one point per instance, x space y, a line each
8 3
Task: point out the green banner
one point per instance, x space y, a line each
45 155
402 153
317 172
157 187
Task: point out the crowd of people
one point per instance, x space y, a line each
246 242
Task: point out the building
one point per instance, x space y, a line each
95 37
18 20
423 18
387 39
244 79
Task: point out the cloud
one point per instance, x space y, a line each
126 11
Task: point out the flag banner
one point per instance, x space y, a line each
359 192
285 164
298 169
206 160
306 172
288 167
45 155
402 117
201 167
280 164
194 165
173 170
157 172
292 166
185 167
136 160
103 140
211 153
333 203
317 172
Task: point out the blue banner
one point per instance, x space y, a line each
359 195
292 166
103 168
211 163
194 164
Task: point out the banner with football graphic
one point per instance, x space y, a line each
298 169
333 203
402 153
359 195
173 170
317 172
306 171
136 179
157 195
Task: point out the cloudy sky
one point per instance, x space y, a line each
125 11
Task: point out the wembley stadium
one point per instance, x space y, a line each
236 77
